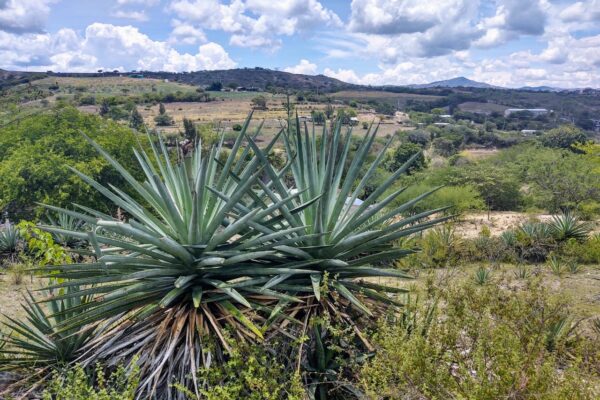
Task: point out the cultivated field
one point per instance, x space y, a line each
396 99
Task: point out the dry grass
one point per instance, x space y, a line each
377 95
234 110
11 295
581 289
113 84
478 154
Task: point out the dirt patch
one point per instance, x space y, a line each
478 154
470 225
11 295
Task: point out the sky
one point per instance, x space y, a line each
510 43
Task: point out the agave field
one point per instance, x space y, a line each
216 246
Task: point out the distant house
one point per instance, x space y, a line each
446 116
441 124
528 131
535 111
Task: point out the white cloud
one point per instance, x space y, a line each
512 19
105 46
305 67
399 16
20 16
397 29
344 75
256 23
138 2
581 11
133 15
184 33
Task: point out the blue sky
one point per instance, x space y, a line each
503 42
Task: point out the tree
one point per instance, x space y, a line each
561 179
499 189
385 108
346 115
564 137
189 130
419 137
136 121
36 155
444 146
215 87
163 119
259 103
318 117
402 154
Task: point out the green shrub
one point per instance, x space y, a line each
564 137
438 248
492 343
252 373
16 271
402 153
534 241
587 252
237 127
163 120
485 248
459 198
76 384
37 152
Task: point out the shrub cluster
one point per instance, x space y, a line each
483 342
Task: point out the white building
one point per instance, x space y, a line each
535 111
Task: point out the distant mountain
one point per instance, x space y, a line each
541 89
460 81
256 77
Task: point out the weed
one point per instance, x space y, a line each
522 272
482 276
556 265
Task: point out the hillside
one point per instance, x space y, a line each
256 77
249 77
10 78
460 81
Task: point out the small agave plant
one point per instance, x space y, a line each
568 226
9 239
39 342
226 244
